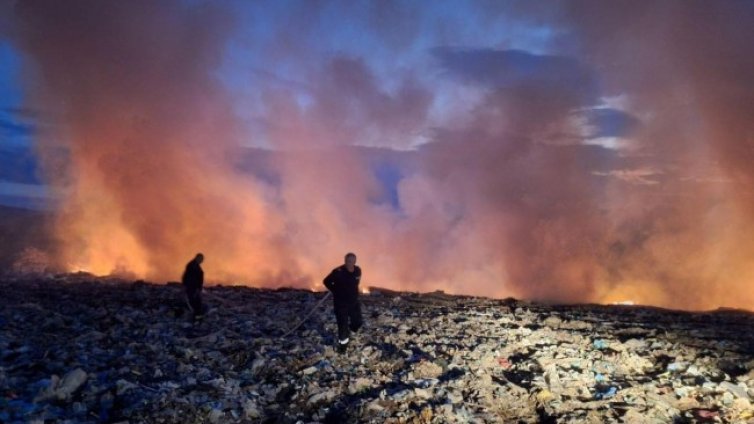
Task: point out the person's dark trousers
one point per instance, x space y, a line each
194 300
349 319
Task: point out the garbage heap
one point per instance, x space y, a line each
76 348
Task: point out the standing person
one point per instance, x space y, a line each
193 280
343 282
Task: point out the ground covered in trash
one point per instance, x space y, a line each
75 348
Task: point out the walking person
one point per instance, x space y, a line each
343 282
193 281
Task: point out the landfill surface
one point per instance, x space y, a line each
76 348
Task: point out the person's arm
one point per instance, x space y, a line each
329 281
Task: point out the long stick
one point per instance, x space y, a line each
307 315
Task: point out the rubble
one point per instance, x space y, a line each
63 389
128 352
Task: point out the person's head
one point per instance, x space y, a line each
199 258
350 259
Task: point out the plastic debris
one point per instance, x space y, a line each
109 350
599 344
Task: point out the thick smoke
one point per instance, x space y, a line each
685 68
617 166
147 129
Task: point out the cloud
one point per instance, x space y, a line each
347 105
514 68
633 176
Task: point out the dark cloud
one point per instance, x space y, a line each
526 92
515 68
348 105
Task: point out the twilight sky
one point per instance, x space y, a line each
561 151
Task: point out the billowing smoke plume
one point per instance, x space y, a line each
146 129
613 164
684 68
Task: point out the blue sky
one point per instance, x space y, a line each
13 130
19 183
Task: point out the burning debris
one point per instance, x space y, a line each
76 348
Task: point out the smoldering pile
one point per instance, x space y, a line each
75 348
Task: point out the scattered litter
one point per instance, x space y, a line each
75 348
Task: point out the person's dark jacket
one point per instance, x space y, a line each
343 284
193 276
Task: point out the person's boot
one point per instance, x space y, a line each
342 346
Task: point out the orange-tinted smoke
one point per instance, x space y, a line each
146 130
686 67
507 202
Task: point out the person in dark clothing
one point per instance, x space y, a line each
343 282
193 280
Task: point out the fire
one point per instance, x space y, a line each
95 237
508 197
637 292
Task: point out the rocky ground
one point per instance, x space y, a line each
74 348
